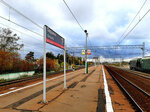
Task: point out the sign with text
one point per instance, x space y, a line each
54 38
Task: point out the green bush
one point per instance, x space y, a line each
24 76
2 80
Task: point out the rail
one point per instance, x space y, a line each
131 89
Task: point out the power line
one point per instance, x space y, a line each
18 31
29 45
132 21
134 26
73 15
21 26
20 14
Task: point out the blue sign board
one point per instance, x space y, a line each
54 38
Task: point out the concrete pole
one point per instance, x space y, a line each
44 66
86 52
65 68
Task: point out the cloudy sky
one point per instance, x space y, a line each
105 21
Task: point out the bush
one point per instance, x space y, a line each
2 80
24 76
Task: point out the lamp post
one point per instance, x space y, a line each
86 69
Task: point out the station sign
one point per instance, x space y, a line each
53 38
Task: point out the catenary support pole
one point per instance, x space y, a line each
65 68
143 49
44 67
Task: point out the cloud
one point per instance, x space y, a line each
105 21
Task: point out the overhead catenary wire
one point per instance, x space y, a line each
132 21
21 26
35 50
18 31
134 26
28 45
2 1
73 15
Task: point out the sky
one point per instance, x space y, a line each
105 21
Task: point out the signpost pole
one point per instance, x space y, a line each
65 67
44 67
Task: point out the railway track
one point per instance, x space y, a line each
139 97
142 74
30 78
145 75
23 80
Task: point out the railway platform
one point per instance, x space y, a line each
81 95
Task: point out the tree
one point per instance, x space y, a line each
69 59
30 56
60 58
5 61
9 62
50 64
9 41
50 55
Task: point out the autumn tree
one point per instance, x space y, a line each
10 60
5 61
50 64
